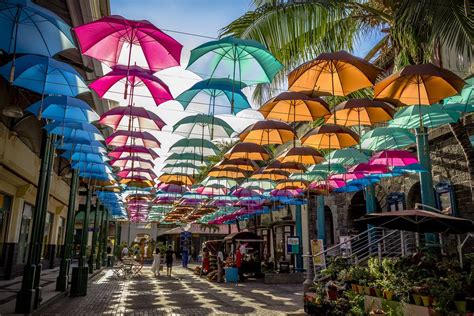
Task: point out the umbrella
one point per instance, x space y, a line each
330 136
122 138
247 151
285 166
273 175
346 157
393 158
74 131
134 150
412 168
268 132
172 188
381 138
227 172
245 192
63 108
258 184
367 168
203 126
137 183
424 116
309 176
45 75
181 167
212 191
324 167
132 161
464 102
194 159
241 164
210 181
294 107
419 221
129 117
292 185
96 148
214 96
356 112
115 40
85 157
182 179
199 146
137 78
302 155
140 172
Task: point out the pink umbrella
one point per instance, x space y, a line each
135 151
104 39
393 158
137 77
245 192
122 138
190 202
327 184
128 117
250 202
165 200
366 168
212 191
172 188
141 172
347 176
128 161
286 192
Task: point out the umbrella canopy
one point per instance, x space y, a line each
419 221
122 138
292 185
424 116
245 192
86 157
268 132
258 184
133 150
328 169
294 107
45 75
241 164
330 136
393 158
212 191
115 40
357 112
227 172
181 167
182 179
63 108
302 155
132 162
285 166
75 131
210 181
381 138
149 174
194 159
250 151
423 84
273 175
172 188
199 146
96 148
309 176
214 96
346 157
337 73
128 117
203 126
366 168
246 60
143 183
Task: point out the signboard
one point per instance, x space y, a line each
293 245
317 246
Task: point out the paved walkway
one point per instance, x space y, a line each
183 293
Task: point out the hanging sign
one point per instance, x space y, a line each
317 247
293 245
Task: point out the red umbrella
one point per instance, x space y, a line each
141 172
122 138
130 116
128 161
135 151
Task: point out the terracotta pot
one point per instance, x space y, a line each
460 306
332 295
417 299
367 290
372 291
378 292
426 300
360 289
354 287
388 294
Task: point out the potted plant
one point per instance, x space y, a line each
332 291
416 292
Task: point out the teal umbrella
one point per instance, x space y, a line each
382 138
255 184
203 126
214 96
429 116
324 167
225 182
464 102
311 176
183 167
194 159
346 157
196 146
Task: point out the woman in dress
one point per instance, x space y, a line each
155 267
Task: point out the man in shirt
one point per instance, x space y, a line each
169 254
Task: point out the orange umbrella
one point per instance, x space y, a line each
180 179
268 132
357 112
292 185
227 172
302 155
247 151
330 136
138 184
285 166
241 164
294 107
274 175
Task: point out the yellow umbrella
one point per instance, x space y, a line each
274 175
330 136
268 132
251 151
294 107
302 155
285 166
241 164
357 112
138 184
181 179
292 185
227 172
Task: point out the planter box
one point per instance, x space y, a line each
402 309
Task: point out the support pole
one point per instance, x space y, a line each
26 296
80 273
299 233
320 219
105 240
93 252
98 260
66 253
370 207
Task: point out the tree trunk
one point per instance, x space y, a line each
461 134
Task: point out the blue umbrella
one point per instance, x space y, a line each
75 131
45 75
63 108
413 168
92 167
349 188
86 157
95 147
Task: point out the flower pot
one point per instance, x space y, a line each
354 287
378 292
388 294
417 299
360 289
332 295
460 306
372 291
426 300
367 290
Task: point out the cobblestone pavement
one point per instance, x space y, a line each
182 294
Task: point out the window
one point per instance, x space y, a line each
24 239
48 233
5 208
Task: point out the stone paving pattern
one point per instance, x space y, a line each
182 294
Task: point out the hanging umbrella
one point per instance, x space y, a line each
324 167
273 175
301 155
419 221
194 159
346 157
115 40
326 186
241 164
64 109
366 168
182 179
45 75
86 157
464 101
199 146
381 138
287 193
202 126
393 158
137 183
181 167
225 182
254 184
149 174
250 151
95 147
227 172
294 107
134 150
172 188
285 166
142 82
212 191
245 192
309 176
330 136
424 116
132 161
268 132
122 138
130 117
74 131
292 185
214 96
412 168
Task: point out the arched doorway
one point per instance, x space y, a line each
329 225
414 195
357 209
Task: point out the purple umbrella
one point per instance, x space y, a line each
135 151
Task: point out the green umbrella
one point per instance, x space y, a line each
382 138
184 167
196 146
323 167
311 175
226 182
464 102
194 159
256 184
203 126
346 157
431 116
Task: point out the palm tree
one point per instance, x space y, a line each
407 31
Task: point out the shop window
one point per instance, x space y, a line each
48 234
25 232
5 210
445 200
396 201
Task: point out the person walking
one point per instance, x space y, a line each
155 267
109 255
169 254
